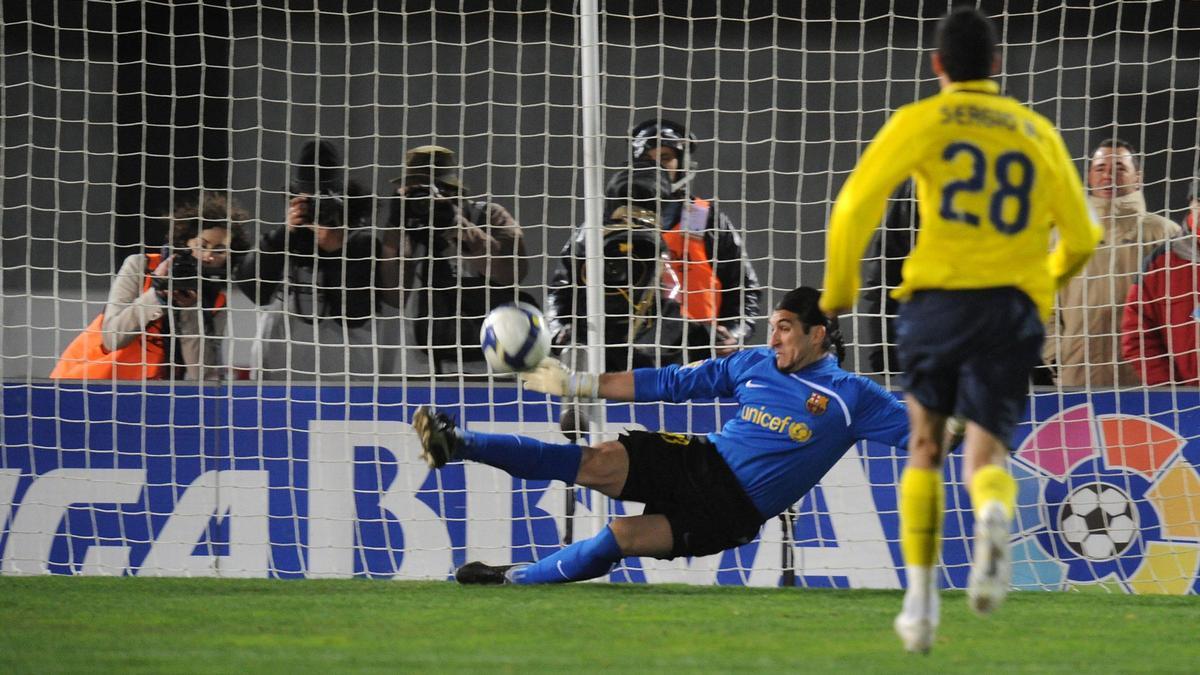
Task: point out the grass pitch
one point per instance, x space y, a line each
50 624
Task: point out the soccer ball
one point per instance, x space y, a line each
1098 521
514 338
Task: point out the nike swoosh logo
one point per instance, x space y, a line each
751 385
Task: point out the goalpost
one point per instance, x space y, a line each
114 114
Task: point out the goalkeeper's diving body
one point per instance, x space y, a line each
992 179
799 413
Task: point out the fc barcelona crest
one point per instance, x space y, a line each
817 404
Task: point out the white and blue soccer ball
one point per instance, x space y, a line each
514 338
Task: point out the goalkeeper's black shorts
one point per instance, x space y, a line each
970 353
686 479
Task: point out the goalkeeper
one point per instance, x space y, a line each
799 414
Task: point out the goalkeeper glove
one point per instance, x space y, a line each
956 429
551 377
956 425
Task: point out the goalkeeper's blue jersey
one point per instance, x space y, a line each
790 428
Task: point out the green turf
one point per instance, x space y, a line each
50 624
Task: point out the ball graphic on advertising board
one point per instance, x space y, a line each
514 338
1098 521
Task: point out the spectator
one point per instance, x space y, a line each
1158 329
705 249
1084 340
643 324
323 276
1191 221
463 255
885 257
165 315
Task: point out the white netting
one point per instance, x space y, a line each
114 114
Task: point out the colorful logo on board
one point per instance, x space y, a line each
1105 502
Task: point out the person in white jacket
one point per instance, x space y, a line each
165 316
1084 338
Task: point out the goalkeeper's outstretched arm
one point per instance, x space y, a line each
616 386
552 377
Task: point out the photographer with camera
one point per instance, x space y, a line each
165 316
644 325
463 256
719 284
322 277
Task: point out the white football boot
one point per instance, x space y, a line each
916 632
917 623
991 567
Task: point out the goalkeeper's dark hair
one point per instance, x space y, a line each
966 40
804 302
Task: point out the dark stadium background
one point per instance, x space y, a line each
111 108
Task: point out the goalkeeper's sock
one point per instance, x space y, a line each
922 501
582 560
992 483
521 456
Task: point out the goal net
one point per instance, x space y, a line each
279 226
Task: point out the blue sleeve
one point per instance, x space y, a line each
710 378
880 416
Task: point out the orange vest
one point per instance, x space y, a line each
701 293
144 358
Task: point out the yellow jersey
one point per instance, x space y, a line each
992 179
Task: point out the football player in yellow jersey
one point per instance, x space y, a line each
992 179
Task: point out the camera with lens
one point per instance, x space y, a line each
326 209
429 194
323 210
642 193
184 274
333 199
424 206
187 274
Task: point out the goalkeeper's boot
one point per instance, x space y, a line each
477 573
991 571
439 436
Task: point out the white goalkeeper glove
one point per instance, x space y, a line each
956 429
551 377
956 425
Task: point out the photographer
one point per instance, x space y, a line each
322 277
165 314
644 324
463 256
703 245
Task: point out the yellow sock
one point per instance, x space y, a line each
922 501
993 484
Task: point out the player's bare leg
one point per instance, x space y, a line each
921 504
993 496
